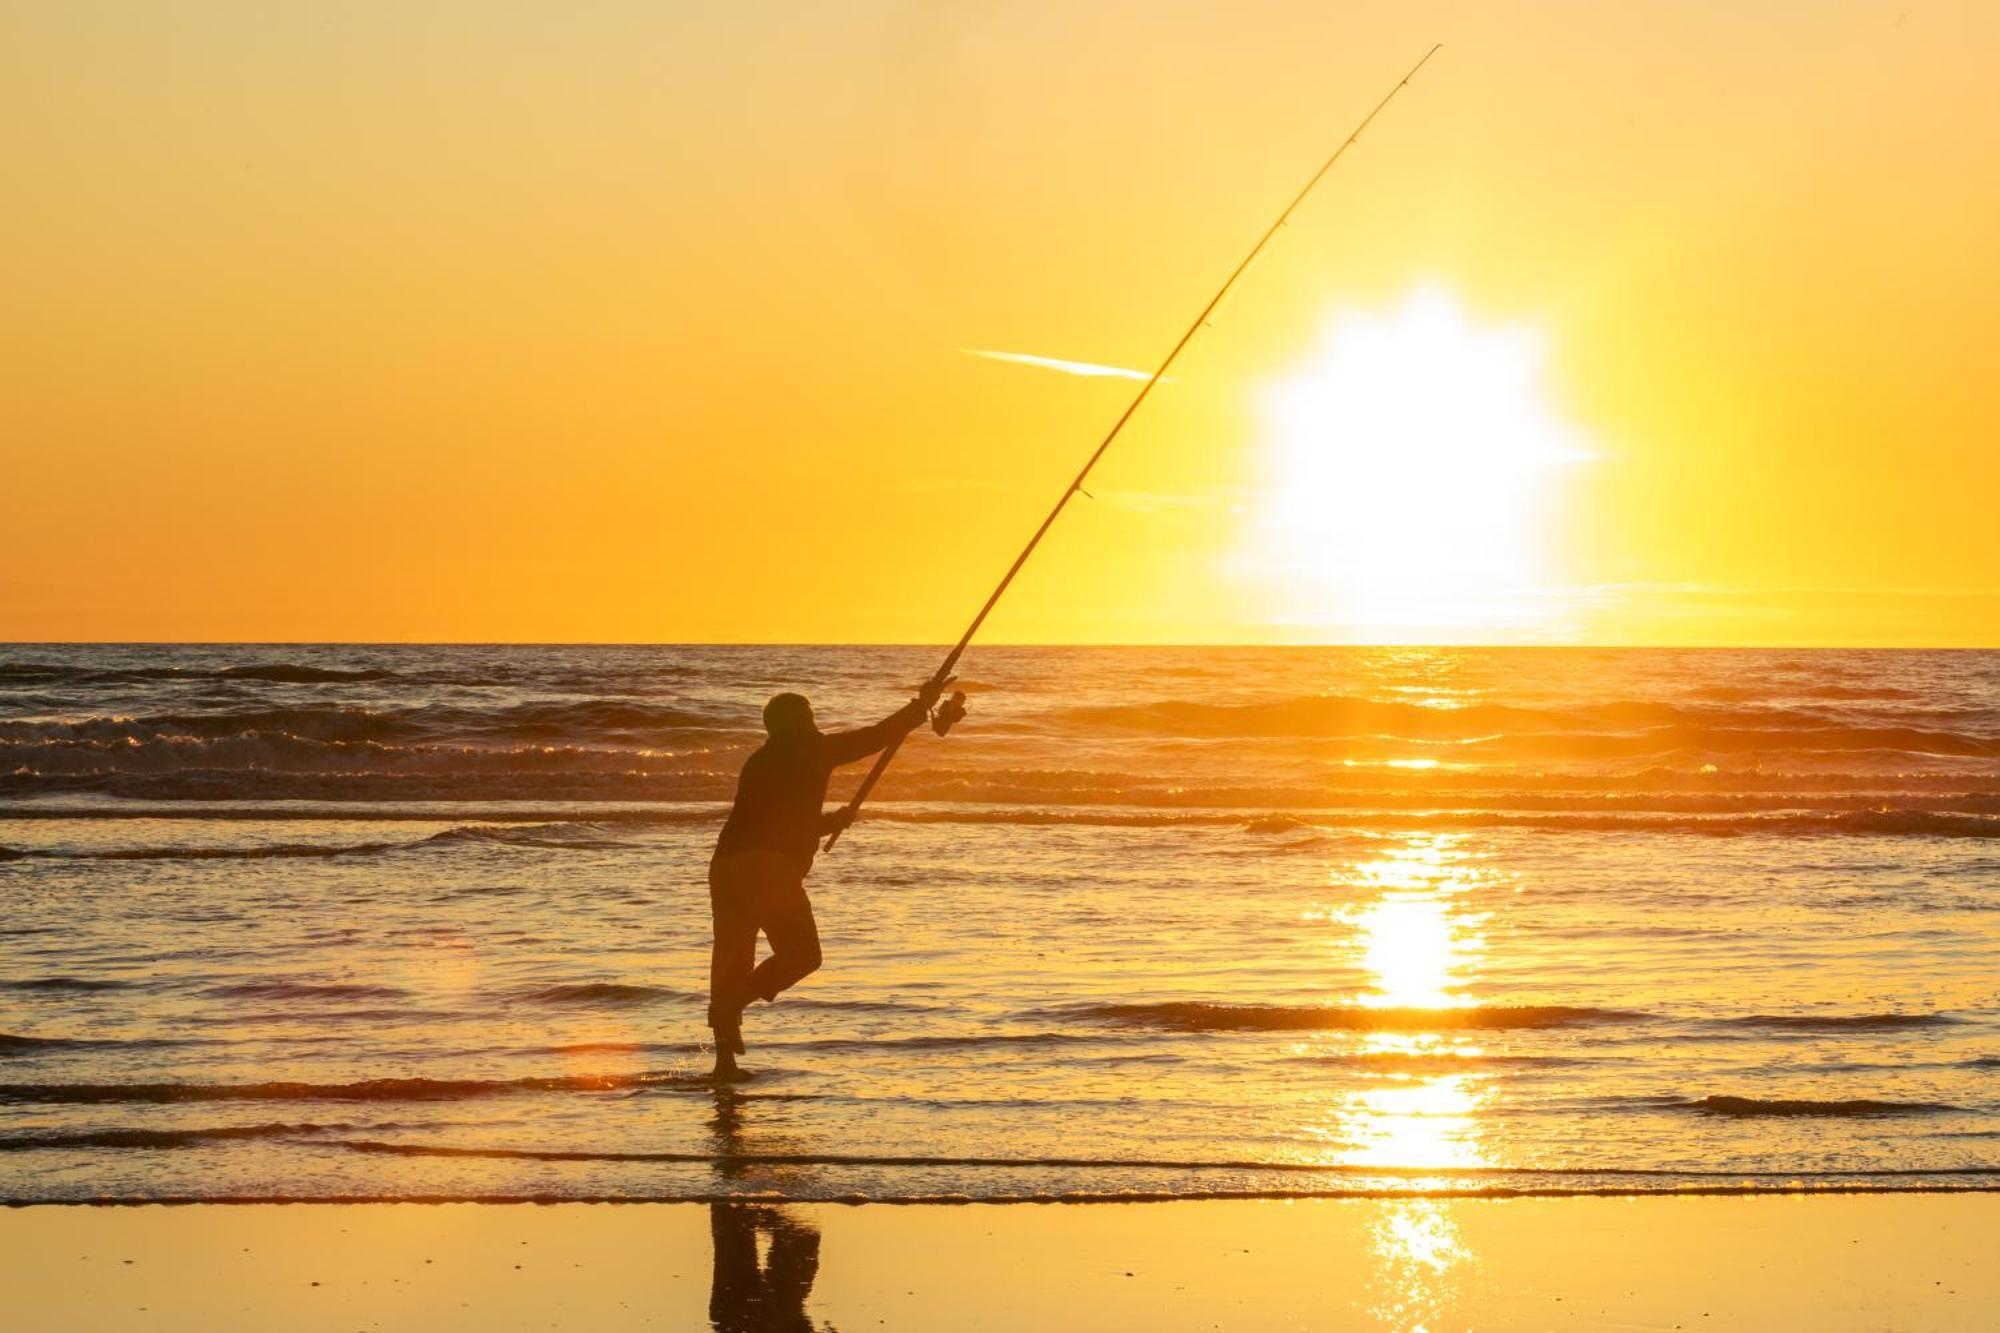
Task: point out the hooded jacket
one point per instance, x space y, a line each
783 786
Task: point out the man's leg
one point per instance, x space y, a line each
787 917
731 961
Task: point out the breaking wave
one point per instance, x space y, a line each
581 723
280 673
1204 1016
1619 728
602 992
1842 1022
14 1044
556 836
1321 829
298 990
161 1138
365 1090
289 673
1864 823
1757 1106
1199 1016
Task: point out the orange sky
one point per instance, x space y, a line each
618 322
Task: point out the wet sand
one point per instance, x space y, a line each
1764 1262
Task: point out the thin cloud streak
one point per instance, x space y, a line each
1085 368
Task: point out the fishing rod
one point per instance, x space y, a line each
954 708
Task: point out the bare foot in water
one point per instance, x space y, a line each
726 1068
725 1018
733 1029
729 1044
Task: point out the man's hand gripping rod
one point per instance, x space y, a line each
936 684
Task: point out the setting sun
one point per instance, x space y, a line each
1415 461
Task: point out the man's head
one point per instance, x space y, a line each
789 715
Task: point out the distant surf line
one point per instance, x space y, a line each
1876 823
1078 1197
726 1160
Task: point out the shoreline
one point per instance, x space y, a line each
1082 1199
1769 1262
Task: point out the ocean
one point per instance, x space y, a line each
431 922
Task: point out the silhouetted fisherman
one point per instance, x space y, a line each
756 879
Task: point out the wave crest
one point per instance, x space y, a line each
1852 1107
300 990
1842 1022
160 1138
1201 1016
602 992
365 1090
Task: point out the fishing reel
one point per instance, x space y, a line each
949 713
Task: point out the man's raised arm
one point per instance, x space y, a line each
844 747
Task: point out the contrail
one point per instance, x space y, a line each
1089 368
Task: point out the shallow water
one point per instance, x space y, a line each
289 922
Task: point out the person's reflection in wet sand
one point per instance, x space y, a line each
747 1296
727 1127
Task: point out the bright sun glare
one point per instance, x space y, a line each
1413 464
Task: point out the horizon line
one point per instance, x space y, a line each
1706 646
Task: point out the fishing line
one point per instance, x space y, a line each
954 708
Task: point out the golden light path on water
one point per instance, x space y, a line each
1419 947
1408 926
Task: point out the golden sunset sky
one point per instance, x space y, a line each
1627 322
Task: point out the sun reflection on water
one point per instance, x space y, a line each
1409 928
1419 947
1412 950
